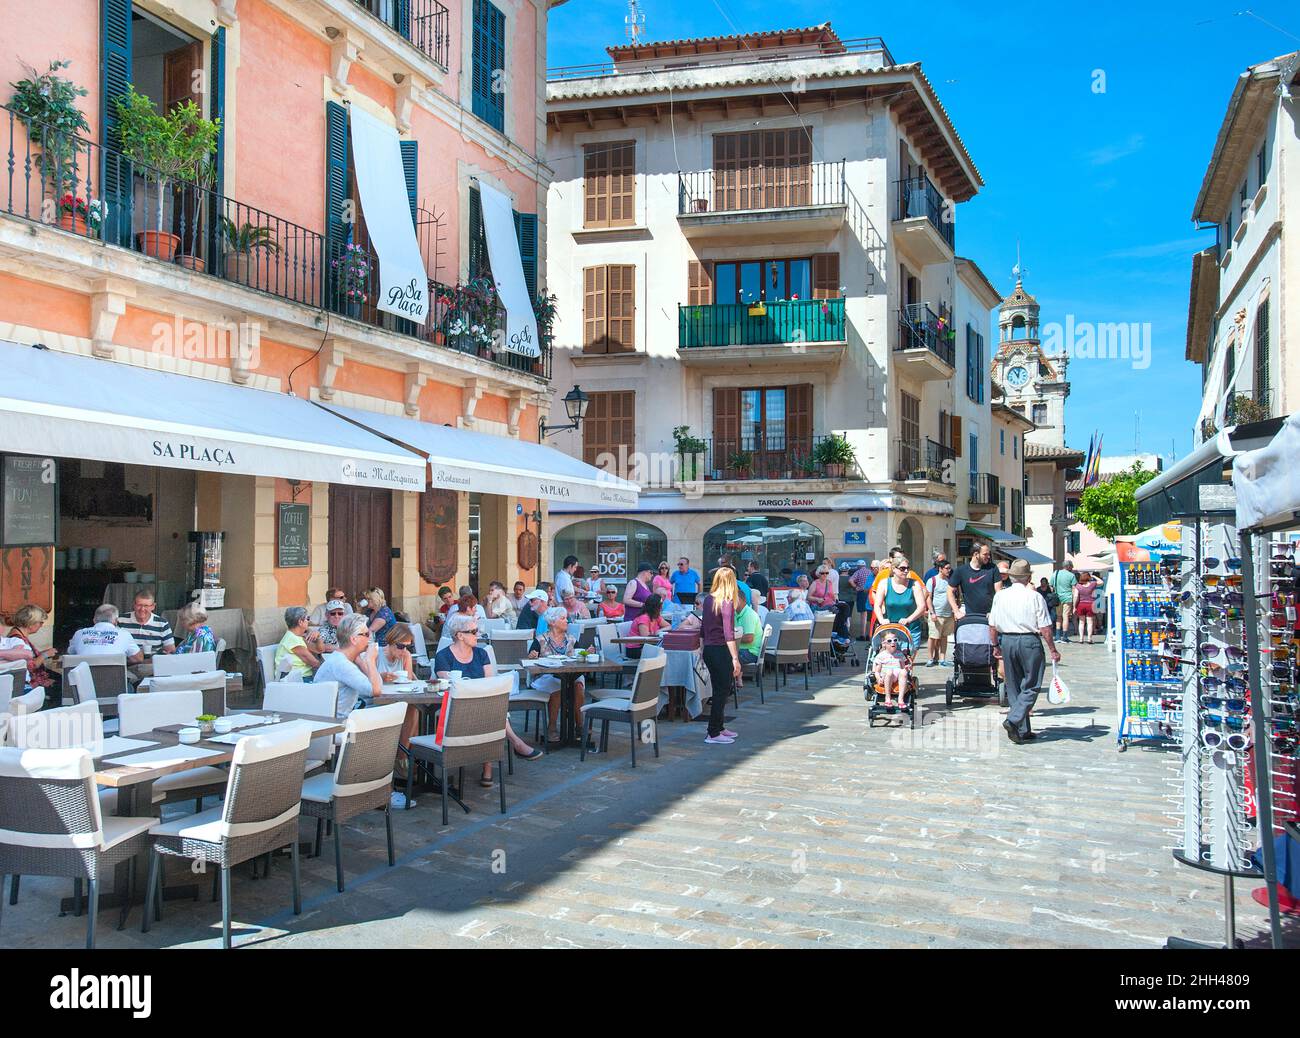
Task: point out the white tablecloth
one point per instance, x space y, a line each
686 670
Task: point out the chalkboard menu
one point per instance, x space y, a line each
294 536
30 508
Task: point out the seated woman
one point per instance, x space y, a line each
18 647
499 606
293 658
892 668
378 614
556 641
192 620
395 663
611 608
463 654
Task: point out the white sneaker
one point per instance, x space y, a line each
398 800
719 740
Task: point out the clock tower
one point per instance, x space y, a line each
1029 380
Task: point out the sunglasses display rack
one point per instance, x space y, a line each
1144 686
1213 796
1279 649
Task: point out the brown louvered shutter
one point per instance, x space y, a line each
622 183
956 433
775 170
726 425
826 275
595 186
748 173
800 173
621 308
724 172
699 283
594 338
799 419
609 425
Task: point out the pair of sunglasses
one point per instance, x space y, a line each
1227 722
1232 652
1213 740
1233 564
1236 706
1234 684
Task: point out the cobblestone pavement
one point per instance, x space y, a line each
813 829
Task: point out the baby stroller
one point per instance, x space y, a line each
842 644
874 692
975 671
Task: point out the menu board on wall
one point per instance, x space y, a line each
439 527
293 536
30 504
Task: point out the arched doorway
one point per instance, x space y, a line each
911 538
780 546
615 545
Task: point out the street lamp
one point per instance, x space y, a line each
575 406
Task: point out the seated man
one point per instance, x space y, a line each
749 635
147 628
335 597
796 608
892 668
105 638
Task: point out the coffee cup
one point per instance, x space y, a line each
400 675
222 726
188 735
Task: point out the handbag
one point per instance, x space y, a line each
687 641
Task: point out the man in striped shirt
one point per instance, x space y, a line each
150 630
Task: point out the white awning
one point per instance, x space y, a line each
508 272
381 182
471 461
68 406
1268 492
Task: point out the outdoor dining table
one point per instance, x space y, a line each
115 769
568 673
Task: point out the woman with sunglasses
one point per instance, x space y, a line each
395 663
662 584
465 655
901 599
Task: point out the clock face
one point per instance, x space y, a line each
1018 377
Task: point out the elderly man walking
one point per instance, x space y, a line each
1019 624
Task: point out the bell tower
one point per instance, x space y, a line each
1030 381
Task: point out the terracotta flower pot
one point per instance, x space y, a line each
159 244
193 262
239 266
74 222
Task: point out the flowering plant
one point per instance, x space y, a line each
352 273
92 210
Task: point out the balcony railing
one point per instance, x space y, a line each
760 187
916 197
859 45
101 195
772 324
984 488
425 23
920 328
929 460
751 457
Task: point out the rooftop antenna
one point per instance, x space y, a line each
634 22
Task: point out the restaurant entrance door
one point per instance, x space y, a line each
361 538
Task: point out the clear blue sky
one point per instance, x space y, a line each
1099 188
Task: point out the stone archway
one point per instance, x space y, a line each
911 538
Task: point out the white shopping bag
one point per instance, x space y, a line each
1058 693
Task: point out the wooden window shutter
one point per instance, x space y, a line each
955 419
622 184
620 307
826 275
488 63
726 425
595 186
799 418
724 172
609 425
526 232
699 287
479 263
411 172
594 339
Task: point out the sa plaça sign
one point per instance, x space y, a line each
192 452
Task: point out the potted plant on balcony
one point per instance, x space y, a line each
544 308
742 463
166 149
757 308
205 175
80 215
352 276
47 103
240 242
690 449
1244 409
835 454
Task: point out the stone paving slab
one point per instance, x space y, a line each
814 830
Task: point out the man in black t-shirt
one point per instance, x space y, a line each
756 580
975 584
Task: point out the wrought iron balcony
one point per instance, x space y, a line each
760 187
920 328
918 197
425 23
930 460
752 458
768 324
101 195
984 487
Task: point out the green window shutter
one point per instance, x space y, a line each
489 60
411 170
526 232
338 229
402 18
115 74
479 264
217 110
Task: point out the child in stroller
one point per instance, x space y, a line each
890 683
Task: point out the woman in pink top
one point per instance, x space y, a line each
824 592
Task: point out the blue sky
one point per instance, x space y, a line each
1098 187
